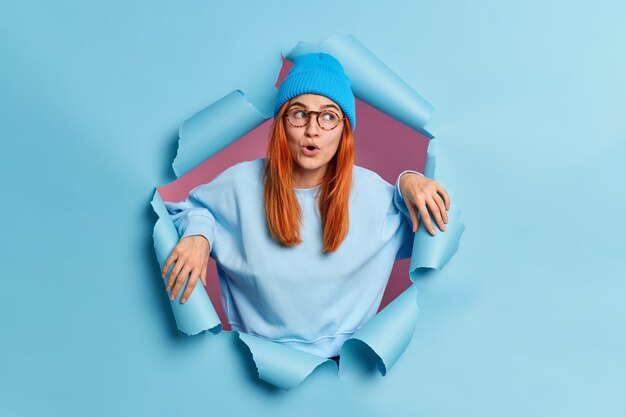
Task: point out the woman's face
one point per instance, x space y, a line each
302 139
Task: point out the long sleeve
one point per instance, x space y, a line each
191 217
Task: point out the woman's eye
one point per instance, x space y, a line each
299 114
329 116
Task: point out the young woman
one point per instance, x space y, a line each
304 240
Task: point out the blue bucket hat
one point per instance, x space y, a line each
318 73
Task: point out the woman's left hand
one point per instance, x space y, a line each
423 193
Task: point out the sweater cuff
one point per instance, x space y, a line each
199 224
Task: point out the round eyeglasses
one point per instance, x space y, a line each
326 119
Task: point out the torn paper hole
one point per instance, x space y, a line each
233 130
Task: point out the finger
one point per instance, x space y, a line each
203 274
434 209
180 280
191 284
445 195
180 264
167 264
426 217
413 214
442 207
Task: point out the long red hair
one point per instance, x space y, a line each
281 205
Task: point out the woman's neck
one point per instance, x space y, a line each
308 178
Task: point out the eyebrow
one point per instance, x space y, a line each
297 103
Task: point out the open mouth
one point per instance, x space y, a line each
310 150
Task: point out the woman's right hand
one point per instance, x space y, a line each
191 255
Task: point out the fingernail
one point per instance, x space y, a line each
172 297
183 300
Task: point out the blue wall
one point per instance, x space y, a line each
527 319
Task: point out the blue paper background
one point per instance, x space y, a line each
527 319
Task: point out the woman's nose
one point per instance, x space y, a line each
312 128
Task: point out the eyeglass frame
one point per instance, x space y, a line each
308 115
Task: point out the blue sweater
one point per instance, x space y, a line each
298 295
